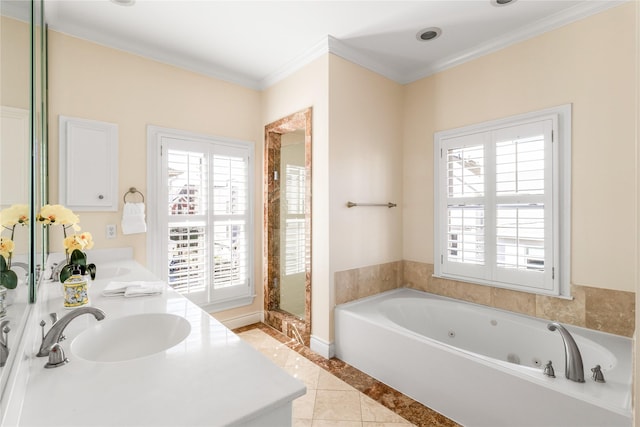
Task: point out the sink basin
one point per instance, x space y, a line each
130 337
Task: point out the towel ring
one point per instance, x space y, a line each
132 190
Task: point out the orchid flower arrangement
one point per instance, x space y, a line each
10 218
74 244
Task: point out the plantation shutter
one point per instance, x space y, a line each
187 204
523 176
497 193
208 220
295 230
464 176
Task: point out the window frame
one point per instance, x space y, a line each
158 219
561 190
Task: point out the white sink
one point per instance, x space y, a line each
130 337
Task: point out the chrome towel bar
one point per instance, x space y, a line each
388 205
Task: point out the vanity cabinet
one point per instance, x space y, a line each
88 164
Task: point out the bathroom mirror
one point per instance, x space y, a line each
288 225
23 151
293 235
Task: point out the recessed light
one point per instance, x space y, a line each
123 2
428 34
499 3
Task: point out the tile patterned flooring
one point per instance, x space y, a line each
338 395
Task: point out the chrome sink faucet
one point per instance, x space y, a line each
4 342
573 368
55 333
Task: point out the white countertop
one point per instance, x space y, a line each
211 378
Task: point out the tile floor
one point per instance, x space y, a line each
329 402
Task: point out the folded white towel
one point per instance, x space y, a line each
133 218
133 289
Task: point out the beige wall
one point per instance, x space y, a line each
90 81
568 65
365 116
15 45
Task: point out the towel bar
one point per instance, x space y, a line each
389 205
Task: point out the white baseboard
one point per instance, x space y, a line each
322 347
243 320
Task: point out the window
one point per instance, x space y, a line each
295 231
502 202
204 217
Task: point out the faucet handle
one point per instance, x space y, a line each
4 337
56 357
597 376
4 344
548 370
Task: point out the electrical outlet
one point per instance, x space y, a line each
111 231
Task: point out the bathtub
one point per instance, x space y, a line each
482 366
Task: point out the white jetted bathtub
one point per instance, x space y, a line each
482 366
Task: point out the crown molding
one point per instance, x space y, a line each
576 13
354 55
310 55
209 70
341 49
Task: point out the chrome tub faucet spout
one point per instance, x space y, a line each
573 368
55 333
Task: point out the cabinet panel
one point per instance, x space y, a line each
88 164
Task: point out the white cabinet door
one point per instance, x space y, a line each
88 164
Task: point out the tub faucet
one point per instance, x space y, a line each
55 333
573 368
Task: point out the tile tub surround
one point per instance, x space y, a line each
604 310
372 391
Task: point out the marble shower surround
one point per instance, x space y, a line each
604 310
286 323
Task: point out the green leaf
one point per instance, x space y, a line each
78 257
91 268
3 264
8 279
66 272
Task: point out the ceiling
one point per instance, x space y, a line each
257 43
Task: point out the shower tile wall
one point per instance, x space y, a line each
594 308
290 325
